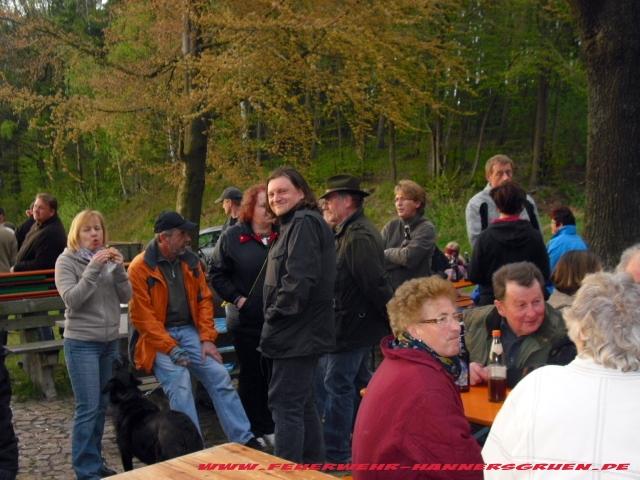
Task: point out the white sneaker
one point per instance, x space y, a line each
270 439
262 442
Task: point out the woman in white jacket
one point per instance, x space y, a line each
92 283
585 412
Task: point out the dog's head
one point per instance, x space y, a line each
123 385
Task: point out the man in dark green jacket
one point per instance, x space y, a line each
361 294
533 333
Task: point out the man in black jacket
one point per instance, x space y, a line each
8 442
361 294
45 240
298 314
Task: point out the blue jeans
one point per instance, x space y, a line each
89 365
343 371
176 383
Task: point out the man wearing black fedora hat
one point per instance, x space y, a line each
361 293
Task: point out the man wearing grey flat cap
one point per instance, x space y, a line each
172 311
362 291
231 198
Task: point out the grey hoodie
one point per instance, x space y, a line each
92 295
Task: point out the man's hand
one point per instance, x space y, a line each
478 374
240 303
179 356
208 348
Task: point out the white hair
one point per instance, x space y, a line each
604 320
626 257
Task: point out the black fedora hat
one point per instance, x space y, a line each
344 183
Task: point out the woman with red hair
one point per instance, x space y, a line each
237 274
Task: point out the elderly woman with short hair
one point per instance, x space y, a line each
587 411
412 412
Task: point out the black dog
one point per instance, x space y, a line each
142 429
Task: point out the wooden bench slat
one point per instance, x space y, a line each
31 305
17 324
35 347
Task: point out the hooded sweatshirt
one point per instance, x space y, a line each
92 293
506 242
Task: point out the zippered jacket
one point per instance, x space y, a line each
148 306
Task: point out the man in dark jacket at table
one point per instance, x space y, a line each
533 332
45 240
361 295
298 314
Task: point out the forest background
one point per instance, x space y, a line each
135 106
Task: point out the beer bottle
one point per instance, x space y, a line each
497 370
463 380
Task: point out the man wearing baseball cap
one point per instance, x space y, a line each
231 198
172 312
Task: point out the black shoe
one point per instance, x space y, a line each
106 471
253 443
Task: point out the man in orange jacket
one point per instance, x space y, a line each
172 311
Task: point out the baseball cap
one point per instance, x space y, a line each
231 193
169 220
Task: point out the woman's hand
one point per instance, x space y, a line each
101 257
116 256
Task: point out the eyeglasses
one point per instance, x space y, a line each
442 319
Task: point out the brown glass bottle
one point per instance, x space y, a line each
497 369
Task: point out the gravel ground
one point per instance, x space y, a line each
44 428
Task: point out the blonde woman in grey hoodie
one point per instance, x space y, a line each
92 283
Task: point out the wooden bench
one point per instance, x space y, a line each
26 316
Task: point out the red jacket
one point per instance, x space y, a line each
148 306
412 414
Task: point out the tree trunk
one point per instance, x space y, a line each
392 152
339 128
380 131
611 47
193 154
483 124
540 128
503 132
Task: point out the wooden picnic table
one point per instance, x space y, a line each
206 464
477 407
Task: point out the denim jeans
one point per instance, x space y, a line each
89 365
298 429
342 379
176 383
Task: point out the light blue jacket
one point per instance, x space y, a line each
563 241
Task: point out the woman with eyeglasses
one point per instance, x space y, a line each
412 413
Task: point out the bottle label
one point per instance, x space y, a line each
497 371
496 348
